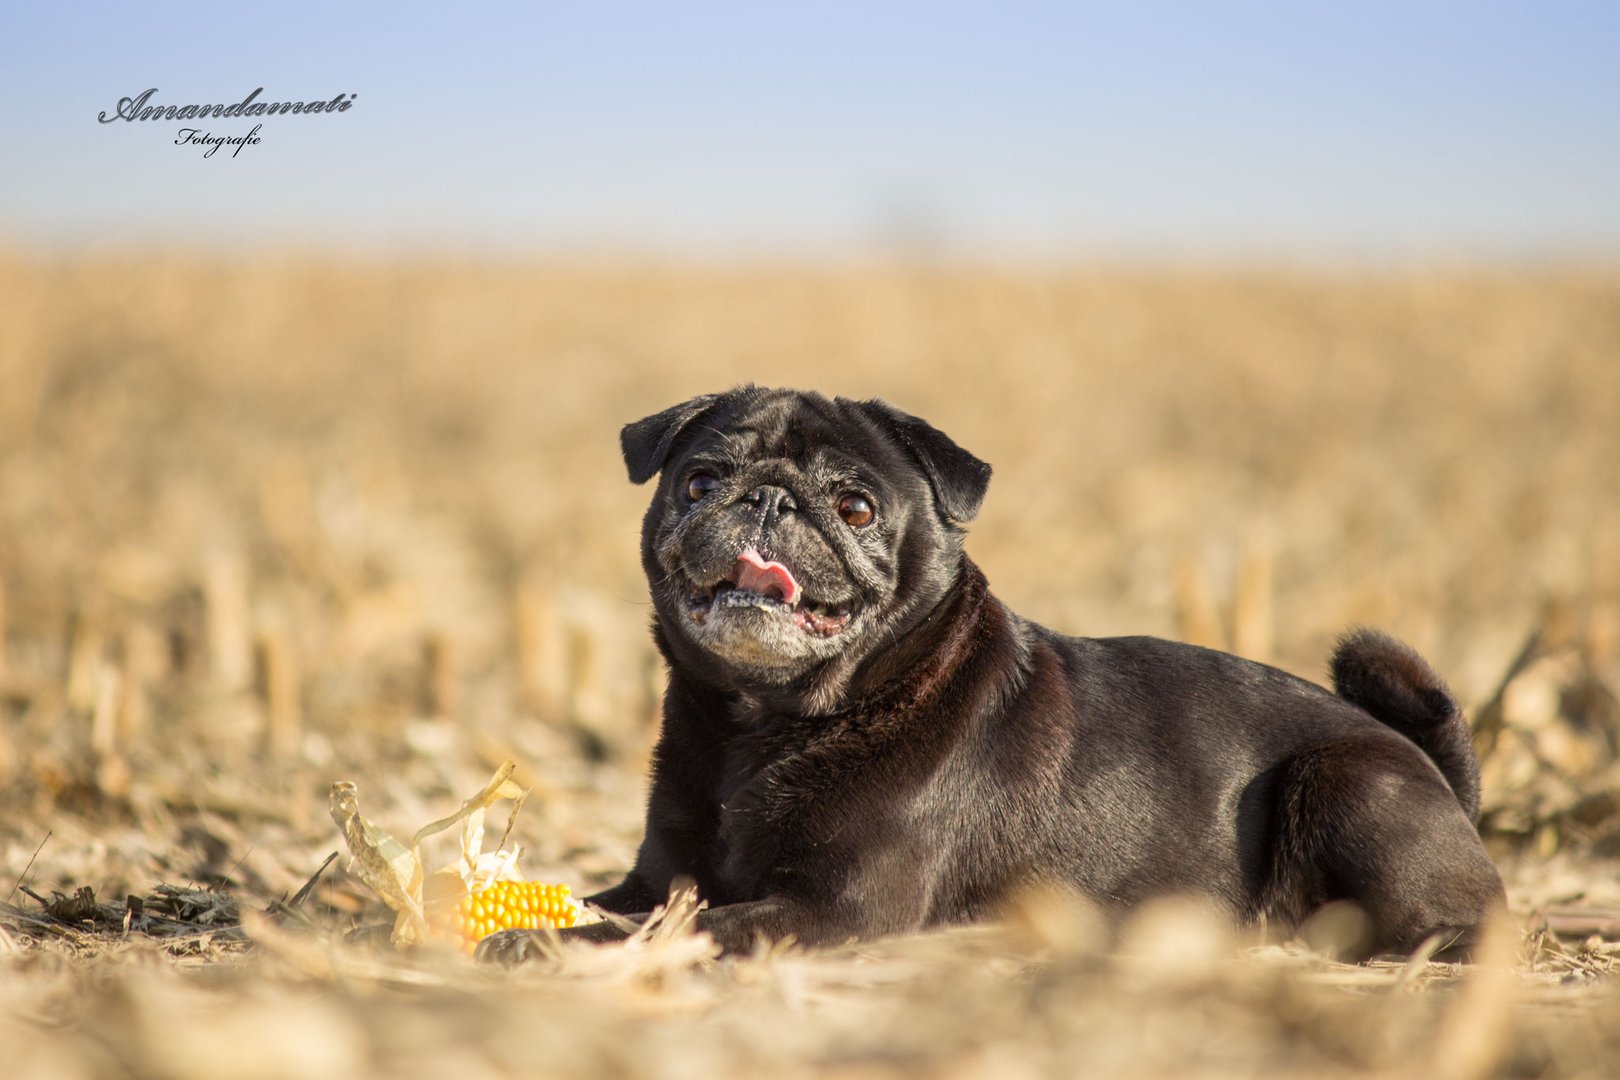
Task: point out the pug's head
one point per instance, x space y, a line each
793 538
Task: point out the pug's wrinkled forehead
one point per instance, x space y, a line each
750 423
788 434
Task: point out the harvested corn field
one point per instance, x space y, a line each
272 522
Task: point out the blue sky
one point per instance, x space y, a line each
1366 130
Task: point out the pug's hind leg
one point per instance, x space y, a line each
1370 821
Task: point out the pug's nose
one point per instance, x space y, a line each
772 501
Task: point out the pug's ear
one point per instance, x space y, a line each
647 443
958 478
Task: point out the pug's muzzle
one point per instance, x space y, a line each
756 584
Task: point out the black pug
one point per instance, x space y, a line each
859 739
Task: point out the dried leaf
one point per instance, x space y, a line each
389 867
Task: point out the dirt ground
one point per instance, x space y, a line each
275 521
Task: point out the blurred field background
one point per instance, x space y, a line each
271 521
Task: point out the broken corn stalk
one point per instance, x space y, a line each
462 903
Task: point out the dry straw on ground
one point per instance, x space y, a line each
267 523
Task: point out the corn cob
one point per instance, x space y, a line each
505 905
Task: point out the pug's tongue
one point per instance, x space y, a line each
756 575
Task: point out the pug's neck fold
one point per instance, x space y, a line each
932 653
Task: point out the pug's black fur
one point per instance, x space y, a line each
935 752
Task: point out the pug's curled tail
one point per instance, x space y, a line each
1397 686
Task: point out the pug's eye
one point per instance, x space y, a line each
856 510
699 485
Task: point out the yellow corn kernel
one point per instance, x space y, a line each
505 905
